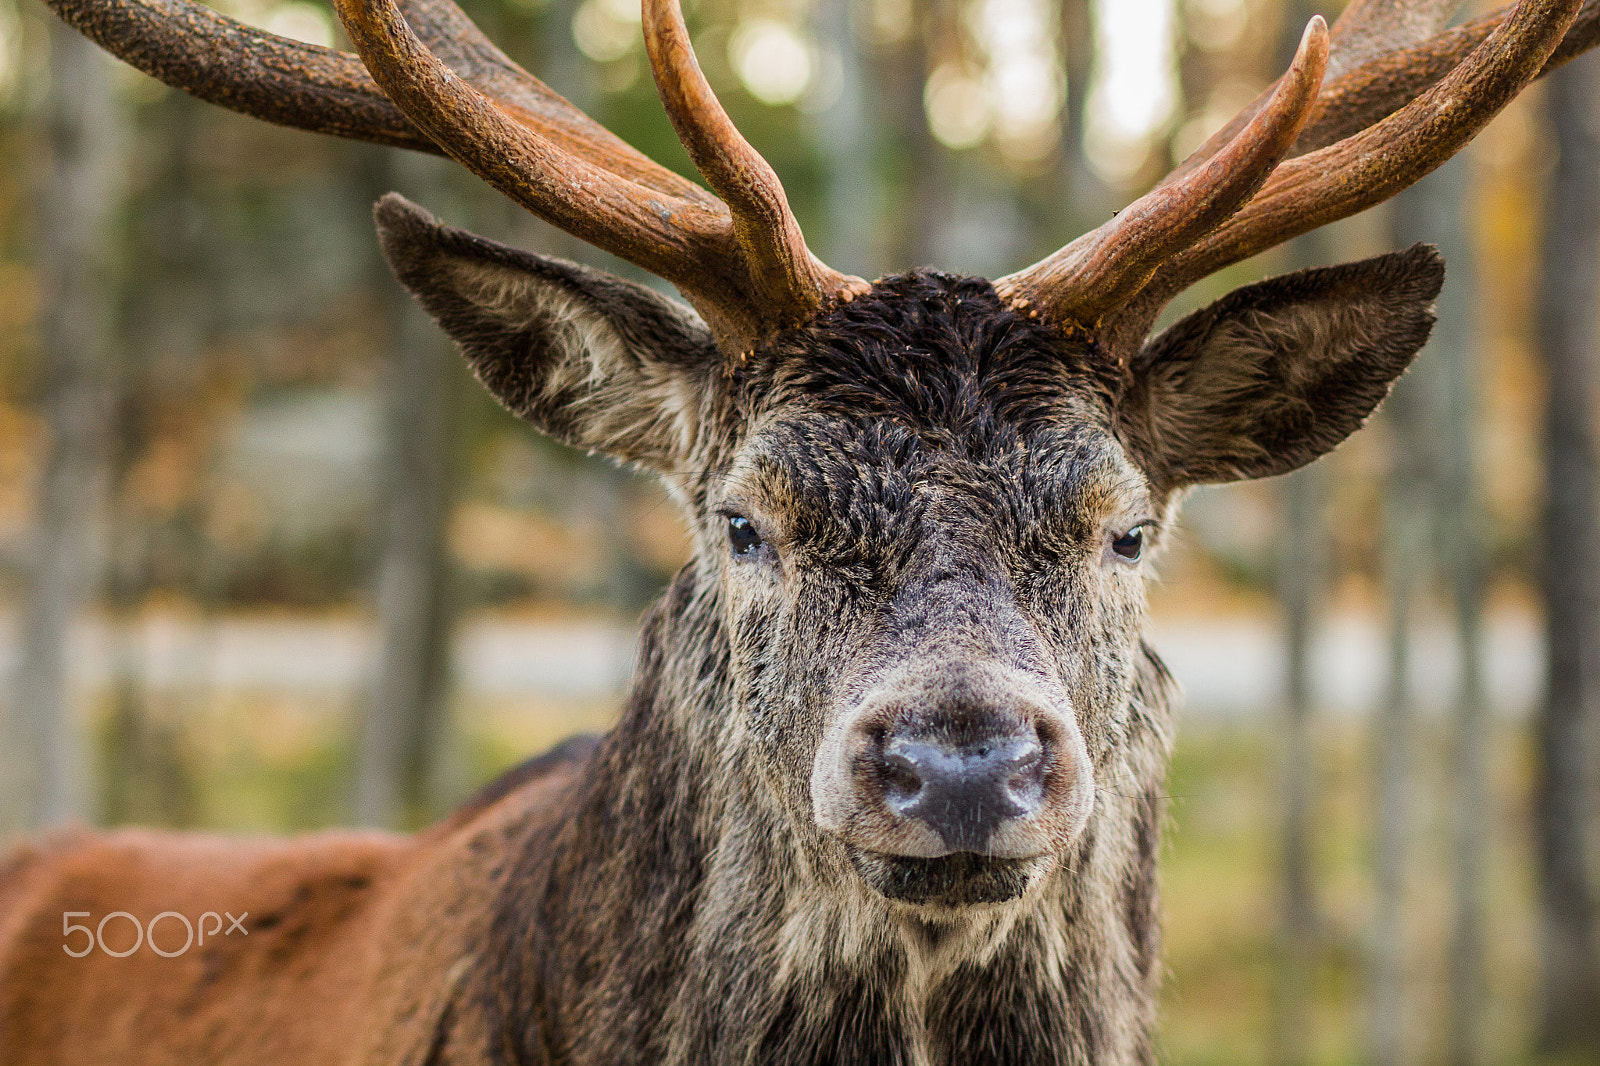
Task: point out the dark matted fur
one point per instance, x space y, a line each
938 483
936 473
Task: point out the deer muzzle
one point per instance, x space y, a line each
941 759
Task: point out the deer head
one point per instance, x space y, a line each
921 506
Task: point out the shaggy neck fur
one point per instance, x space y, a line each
673 914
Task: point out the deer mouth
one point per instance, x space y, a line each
960 879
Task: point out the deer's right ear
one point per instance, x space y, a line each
588 358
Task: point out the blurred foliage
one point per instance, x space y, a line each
252 285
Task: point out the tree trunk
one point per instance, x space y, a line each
1429 502
1406 537
1407 526
1086 202
922 166
1452 373
1300 580
405 729
78 200
1570 982
847 139
1299 583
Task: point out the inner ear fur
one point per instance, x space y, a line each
589 358
1278 373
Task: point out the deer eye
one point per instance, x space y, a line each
742 535
1130 545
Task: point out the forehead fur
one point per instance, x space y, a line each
871 491
930 401
940 356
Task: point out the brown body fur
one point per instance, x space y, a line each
354 951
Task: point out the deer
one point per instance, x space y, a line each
887 787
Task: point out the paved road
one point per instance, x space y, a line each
1229 667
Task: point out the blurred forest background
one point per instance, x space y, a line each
269 561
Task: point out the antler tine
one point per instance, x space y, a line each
292 83
784 275
1372 165
1384 84
748 274
1366 29
1365 84
223 61
671 238
1102 269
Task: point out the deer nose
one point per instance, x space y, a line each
963 791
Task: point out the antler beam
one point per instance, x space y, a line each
426 78
1368 167
292 83
1196 222
1367 83
223 61
1102 269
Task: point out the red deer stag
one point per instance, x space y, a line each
888 785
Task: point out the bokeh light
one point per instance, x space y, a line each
606 30
1227 99
1011 89
1215 25
957 103
303 22
890 20
1133 90
773 61
1025 81
296 19
8 51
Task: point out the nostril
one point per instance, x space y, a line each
1026 783
900 777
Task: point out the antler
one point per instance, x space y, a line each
764 227
1102 269
437 84
1468 75
1375 68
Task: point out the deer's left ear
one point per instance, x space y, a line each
1276 374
